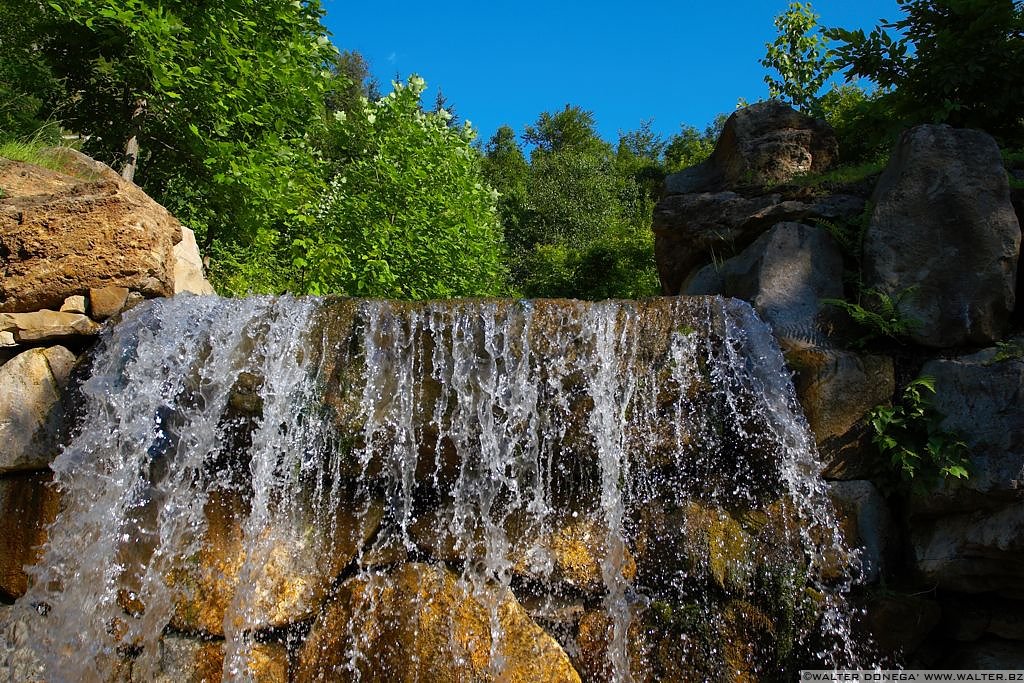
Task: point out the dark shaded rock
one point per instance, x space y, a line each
969 618
981 399
899 623
691 230
784 274
762 144
987 655
973 552
27 506
865 518
837 389
943 228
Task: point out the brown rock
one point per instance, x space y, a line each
46 325
75 304
763 144
28 504
296 566
184 660
31 415
426 624
572 553
837 389
107 301
61 235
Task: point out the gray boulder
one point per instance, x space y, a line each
866 523
980 396
762 144
944 228
30 410
784 273
691 230
973 552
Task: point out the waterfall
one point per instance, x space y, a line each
337 489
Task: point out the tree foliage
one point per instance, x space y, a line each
954 61
406 213
801 57
577 217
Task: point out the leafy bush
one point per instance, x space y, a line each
407 213
910 436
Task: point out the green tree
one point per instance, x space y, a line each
507 171
954 61
572 128
800 56
207 106
407 213
26 82
585 227
691 146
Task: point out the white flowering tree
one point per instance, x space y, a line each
407 213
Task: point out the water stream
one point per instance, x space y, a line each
395 491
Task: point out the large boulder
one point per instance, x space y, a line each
31 415
421 622
763 144
980 396
944 232
785 274
693 229
973 552
62 234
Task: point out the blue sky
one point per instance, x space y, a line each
502 62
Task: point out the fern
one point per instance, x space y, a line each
879 317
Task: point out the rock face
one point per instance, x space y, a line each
866 523
943 228
41 326
420 616
285 580
837 388
61 235
692 229
981 397
763 144
30 410
784 274
27 506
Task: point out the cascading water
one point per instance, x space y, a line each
473 490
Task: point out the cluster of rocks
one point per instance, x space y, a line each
77 246
942 241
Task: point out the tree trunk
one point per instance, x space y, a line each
131 148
